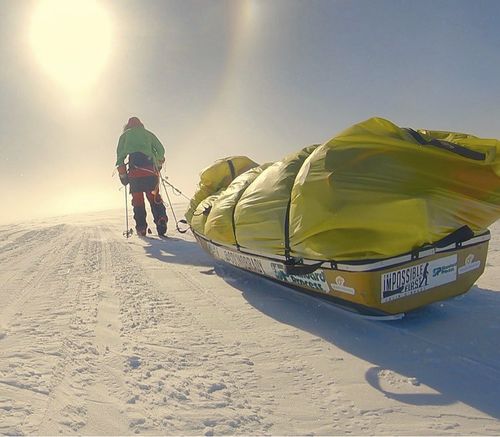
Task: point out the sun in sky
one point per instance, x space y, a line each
71 40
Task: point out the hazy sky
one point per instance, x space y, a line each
215 78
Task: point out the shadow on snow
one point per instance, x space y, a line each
449 346
177 251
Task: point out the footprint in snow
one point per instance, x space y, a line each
134 362
216 387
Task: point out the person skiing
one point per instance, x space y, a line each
146 156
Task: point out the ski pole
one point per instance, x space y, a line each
128 232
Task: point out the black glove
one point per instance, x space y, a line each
124 179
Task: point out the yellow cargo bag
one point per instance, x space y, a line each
377 190
217 176
372 192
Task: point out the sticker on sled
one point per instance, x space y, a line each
415 279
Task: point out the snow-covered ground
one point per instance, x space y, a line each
104 335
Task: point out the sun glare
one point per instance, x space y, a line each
71 40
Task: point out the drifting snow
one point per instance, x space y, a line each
104 335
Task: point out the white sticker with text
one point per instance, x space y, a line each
418 278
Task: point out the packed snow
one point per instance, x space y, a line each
100 334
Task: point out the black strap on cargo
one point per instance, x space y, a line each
292 267
298 269
446 145
233 176
233 222
231 169
287 230
458 236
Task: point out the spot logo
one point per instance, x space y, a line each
339 285
469 264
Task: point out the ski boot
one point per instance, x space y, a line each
161 226
141 231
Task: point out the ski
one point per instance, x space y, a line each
352 308
383 318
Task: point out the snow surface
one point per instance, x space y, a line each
109 336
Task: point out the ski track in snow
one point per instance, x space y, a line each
111 336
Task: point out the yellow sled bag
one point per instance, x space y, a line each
374 193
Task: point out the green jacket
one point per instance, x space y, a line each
139 139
